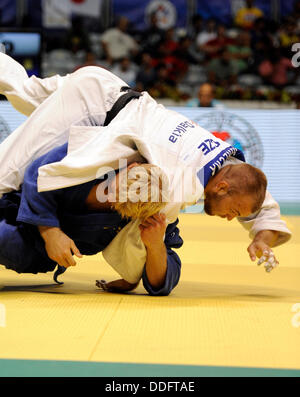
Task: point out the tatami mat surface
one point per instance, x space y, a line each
226 311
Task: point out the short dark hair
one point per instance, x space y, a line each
248 180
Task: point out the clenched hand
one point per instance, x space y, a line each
153 230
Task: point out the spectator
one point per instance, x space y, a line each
274 69
205 97
90 60
184 51
146 74
166 55
163 86
126 71
240 52
288 36
263 37
193 32
159 55
77 39
214 46
152 36
246 16
169 41
296 16
260 49
220 70
117 43
208 34
180 59
272 32
259 31
195 27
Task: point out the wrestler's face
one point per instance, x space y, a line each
226 205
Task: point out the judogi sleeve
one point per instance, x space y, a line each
267 218
172 240
40 208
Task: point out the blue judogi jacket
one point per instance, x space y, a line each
21 246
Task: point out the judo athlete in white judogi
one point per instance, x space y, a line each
80 110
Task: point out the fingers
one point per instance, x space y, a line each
265 254
63 262
270 261
60 248
102 285
154 220
75 250
66 260
67 257
149 222
161 219
252 252
153 230
141 227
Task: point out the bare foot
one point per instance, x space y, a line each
120 285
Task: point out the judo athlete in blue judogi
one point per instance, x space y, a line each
24 214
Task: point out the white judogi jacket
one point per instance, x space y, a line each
74 111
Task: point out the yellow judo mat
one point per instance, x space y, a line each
226 311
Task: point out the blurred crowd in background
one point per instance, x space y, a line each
249 59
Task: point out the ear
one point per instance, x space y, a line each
222 188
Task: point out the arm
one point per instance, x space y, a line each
267 230
40 209
162 269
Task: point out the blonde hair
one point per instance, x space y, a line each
143 191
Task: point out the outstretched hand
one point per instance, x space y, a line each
264 253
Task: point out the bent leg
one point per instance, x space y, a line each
23 92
